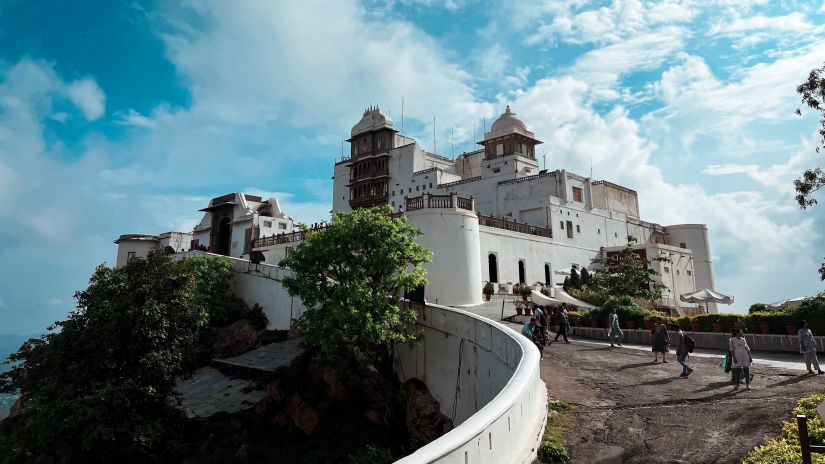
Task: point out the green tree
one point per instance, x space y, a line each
627 274
812 92
96 388
350 277
757 307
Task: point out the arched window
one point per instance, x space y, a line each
493 267
547 274
521 277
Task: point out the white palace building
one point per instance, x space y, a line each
488 215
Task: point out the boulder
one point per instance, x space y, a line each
303 416
237 338
423 419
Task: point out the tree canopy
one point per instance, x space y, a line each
812 92
96 388
627 274
350 276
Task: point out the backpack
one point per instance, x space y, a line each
690 343
542 319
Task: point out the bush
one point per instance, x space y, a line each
550 452
588 295
684 323
785 448
757 307
812 310
776 321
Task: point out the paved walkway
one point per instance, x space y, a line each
632 410
209 391
267 358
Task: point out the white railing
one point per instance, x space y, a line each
485 376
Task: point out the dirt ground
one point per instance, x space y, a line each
631 410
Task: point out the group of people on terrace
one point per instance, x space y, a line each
737 361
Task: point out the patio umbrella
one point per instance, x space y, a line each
706 296
789 303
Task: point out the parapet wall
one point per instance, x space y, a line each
711 340
486 377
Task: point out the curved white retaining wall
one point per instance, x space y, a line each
501 407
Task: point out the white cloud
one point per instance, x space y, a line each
742 223
133 118
793 22
88 97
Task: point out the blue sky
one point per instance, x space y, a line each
126 117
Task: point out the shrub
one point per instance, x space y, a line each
785 448
684 323
812 310
488 288
550 452
776 321
588 295
757 307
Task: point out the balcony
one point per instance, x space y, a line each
440 201
371 200
502 223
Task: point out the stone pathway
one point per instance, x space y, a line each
209 391
267 358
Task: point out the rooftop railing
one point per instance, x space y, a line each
439 201
506 224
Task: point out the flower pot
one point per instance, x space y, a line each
697 327
594 323
518 310
577 322
630 325
717 327
648 324
487 296
764 328
792 329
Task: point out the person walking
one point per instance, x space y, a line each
615 335
807 346
563 323
661 340
742 359
541 322
682 351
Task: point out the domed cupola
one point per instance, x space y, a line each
372 120
507 122
509 136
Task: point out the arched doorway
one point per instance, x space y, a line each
224 236
493 266
547 274
521 276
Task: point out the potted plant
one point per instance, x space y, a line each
525 291
577 322
594 322
792 329
696 326
518 307
716 327
630 324
764 328
488 290
515 288
648 324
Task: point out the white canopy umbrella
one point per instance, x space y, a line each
706 296
543 300
789 303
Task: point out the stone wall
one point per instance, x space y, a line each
711 340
